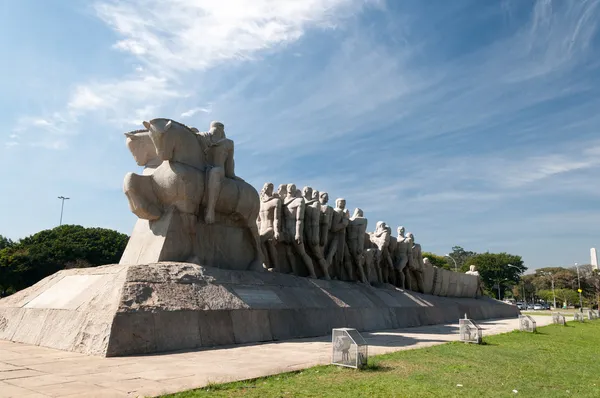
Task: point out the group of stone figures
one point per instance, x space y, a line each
320 241
193 207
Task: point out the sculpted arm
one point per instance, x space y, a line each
277 219
299 222
230 164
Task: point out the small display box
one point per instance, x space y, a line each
591 314
470 332
558 319
527 324
349 348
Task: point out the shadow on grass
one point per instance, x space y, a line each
376 367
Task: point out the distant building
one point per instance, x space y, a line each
594 258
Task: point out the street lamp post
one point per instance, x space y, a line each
524 298
62 207
552 279
455 265
579 289
498 283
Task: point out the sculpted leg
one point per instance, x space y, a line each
306 259
271 253
291 260
347 261
316 251
407 282
215 176
140 194
331 251
400 279
361 269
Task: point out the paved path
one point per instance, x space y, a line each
30 371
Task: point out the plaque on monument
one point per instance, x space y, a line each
558 319
259 297
470 332
349 348
527 324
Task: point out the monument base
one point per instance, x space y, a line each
117 310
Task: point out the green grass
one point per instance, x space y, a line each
557 361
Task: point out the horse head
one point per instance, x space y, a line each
175 142
141 147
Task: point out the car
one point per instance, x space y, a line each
538 307
529 306
520 306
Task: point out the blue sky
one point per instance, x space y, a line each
472 123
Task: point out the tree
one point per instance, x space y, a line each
5 242
438 261
461 256
495 271
568 296
33 258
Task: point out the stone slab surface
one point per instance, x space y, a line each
141 309
33 371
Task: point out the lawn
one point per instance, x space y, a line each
558 361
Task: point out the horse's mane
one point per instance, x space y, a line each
137 131
172 121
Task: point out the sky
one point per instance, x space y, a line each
471 123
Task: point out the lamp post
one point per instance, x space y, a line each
579 289
62 207
552 279
455 265
498 283
524 298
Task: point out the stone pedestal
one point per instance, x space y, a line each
140 309
224 244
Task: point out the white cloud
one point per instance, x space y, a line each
11 144
184 35
193 111
85 98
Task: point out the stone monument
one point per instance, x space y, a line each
195 209
194 271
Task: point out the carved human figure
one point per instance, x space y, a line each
312 218
281 191
402 253
269 225
324 222
355 237
293 230
371 270
391 249
218 150
381 237
415 266
337 238
473 271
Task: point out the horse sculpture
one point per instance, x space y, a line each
175 178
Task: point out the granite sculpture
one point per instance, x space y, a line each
312 223
356 230
194 271
269 225
194 206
